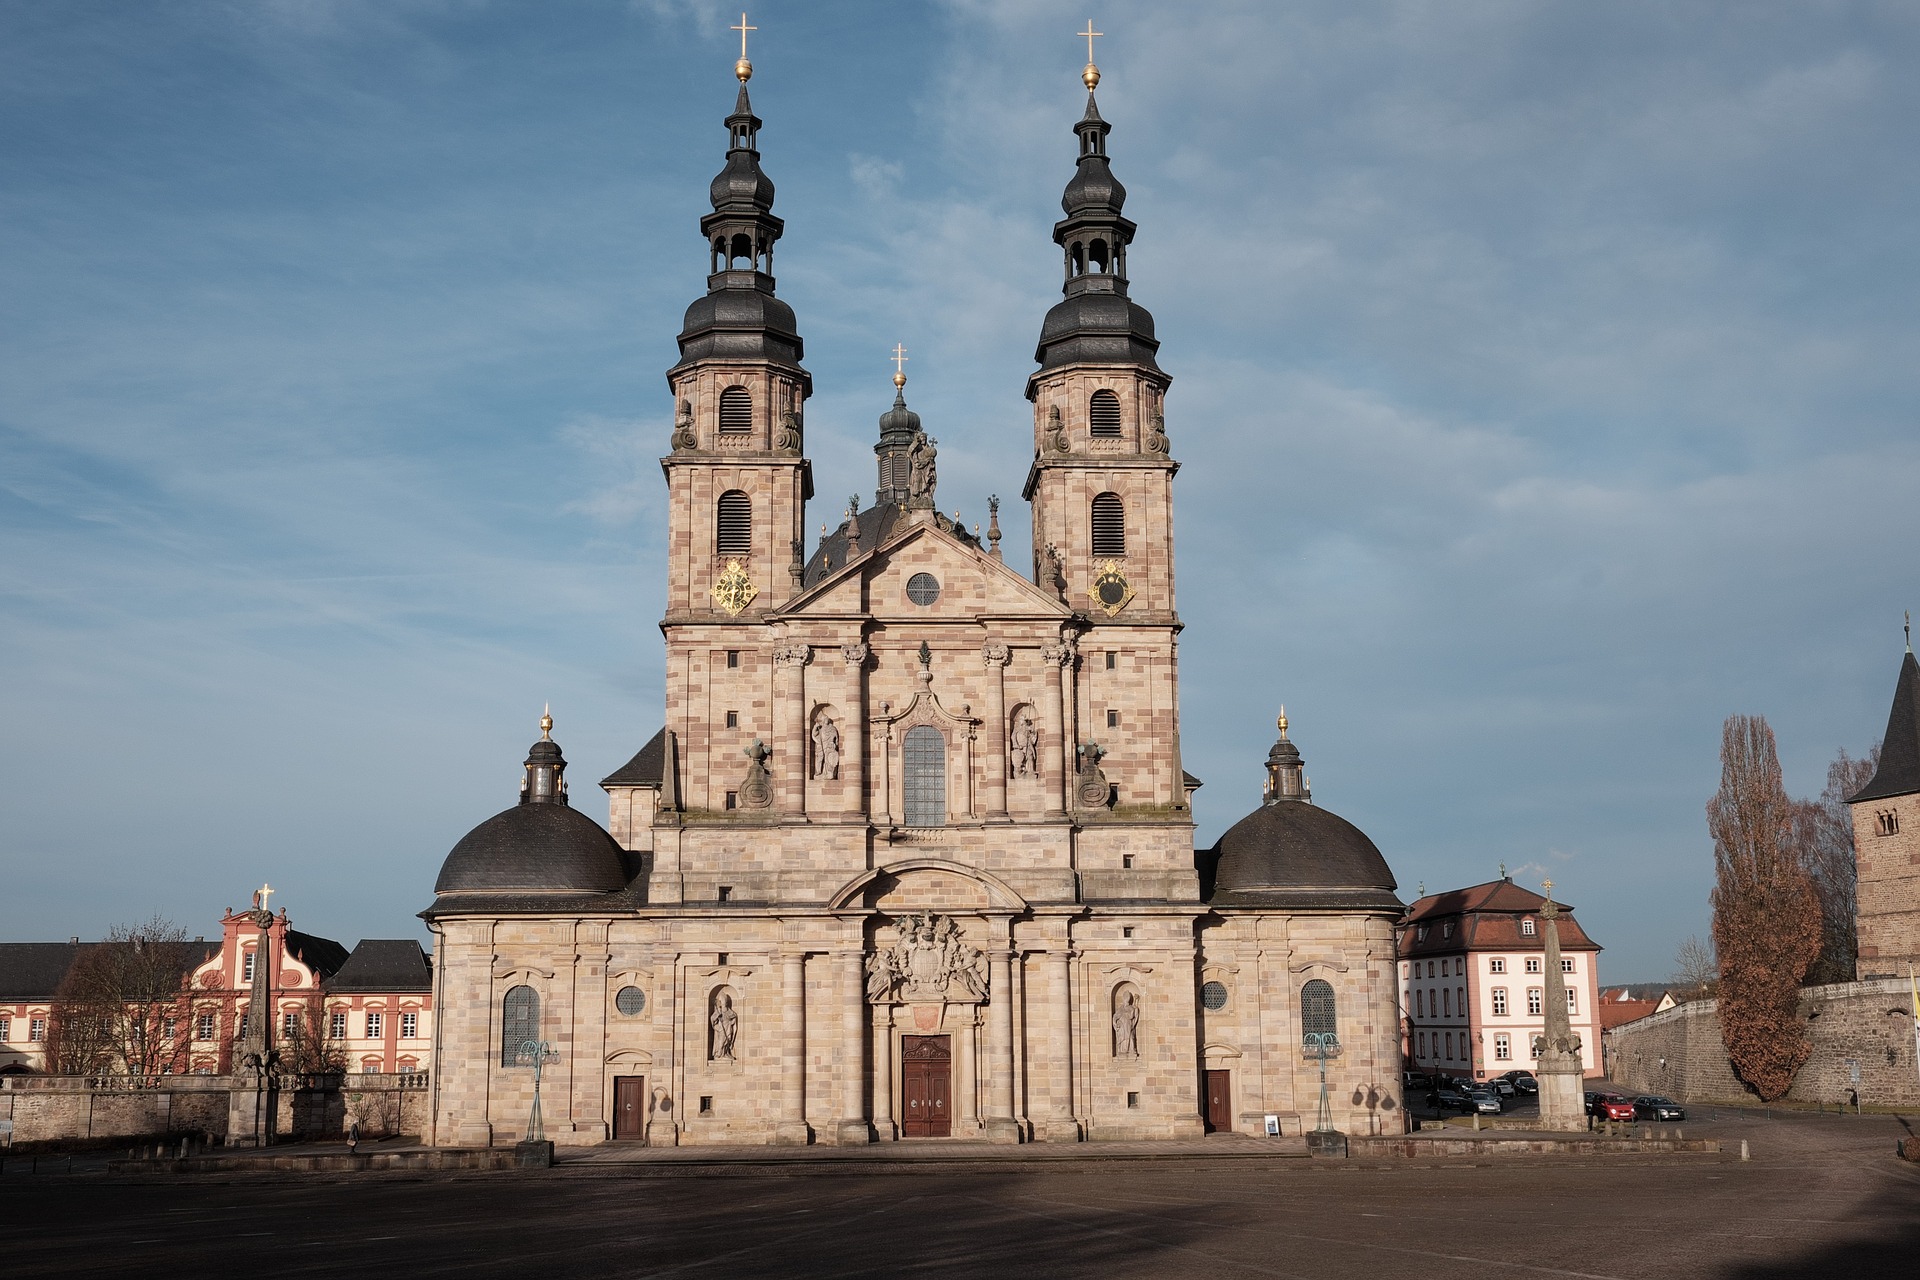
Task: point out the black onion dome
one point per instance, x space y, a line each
534 848
741 183
1093 185
741 324
1297 852
1097 328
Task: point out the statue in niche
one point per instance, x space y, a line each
756 790
1024 745
1126 1025
683 437
725 1022
826 749
923 471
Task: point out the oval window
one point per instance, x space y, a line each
1213 996
631 1001
923 588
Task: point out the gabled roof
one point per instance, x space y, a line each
384 964
1485 917
1617 1013
1011 594
1899 771
647 768
33 971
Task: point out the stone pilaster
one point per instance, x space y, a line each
1061 1125
791 660
853 999
883 1073
1057 752
853 741
996 655
589 1032
1000 1125
791 1129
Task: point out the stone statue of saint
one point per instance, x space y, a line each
1126 1026
726 1025
826 749
1053 571
923 475
1024 743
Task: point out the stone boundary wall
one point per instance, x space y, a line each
62 1109
1680 1052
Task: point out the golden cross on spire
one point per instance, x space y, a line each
743 68
261 895
1089 33
899 358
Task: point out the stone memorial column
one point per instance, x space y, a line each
792 1127
1001 1126
996 656
854 733
853 1012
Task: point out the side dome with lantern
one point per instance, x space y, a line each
540 847
1291 853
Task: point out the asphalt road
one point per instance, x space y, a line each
1823 1196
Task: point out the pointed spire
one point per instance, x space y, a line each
899 430
1899 771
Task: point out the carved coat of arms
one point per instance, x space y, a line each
930 962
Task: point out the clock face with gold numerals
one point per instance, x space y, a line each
734 590
1110 591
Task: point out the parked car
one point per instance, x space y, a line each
1609 1106
1413 1081
1502 1086
1486 1101
1523 1082
1655 1107
1449 1096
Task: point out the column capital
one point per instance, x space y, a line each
1061 654
855 654
793 655
995 654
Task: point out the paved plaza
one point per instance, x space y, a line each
1822 1196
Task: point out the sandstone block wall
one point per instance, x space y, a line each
53 1109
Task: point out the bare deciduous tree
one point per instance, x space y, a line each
1696 971
1824 834
120 1007
1766 915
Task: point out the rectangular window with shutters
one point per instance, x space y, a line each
1497 965
409 1026
1533 964
337 1025
1109 526
1502 1048
1566 966
1499 1002
1536 1001
203 1027
246 967
37 1030
289 1024
1572 1002
6 1028
376 1026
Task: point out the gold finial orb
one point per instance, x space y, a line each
1090 77
546 723
899 380
1282 721
744 70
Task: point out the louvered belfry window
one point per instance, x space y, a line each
733 526
736 409
1103 413
1109 526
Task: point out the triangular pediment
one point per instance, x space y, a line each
972 584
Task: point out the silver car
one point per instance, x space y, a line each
1485 1100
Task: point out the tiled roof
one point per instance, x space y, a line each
32 971
1485 917
322 955
1615 1013
647 768
384 964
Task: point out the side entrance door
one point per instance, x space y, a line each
1219 1102
926 1086
629 1108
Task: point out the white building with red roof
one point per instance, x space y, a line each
1473 981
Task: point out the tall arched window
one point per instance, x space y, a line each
519 1023
1109 526
736 404
1103 413
924 776
1316 1009
733 524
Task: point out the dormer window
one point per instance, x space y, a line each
1446 930
1526 927
1420 934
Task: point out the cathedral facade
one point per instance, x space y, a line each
913 853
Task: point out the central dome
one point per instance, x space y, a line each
534 848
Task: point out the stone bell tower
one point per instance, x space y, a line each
1101 485
736 477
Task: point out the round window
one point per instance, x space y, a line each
1214 996
630 1001
923 588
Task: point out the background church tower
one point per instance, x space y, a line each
1101 483
737 480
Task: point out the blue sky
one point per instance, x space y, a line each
1545 387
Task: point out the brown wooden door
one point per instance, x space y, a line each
926 1086
1219 1102
629 1108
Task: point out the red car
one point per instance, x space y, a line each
1609 1106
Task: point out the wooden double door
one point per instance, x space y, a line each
926 1086
629 1108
